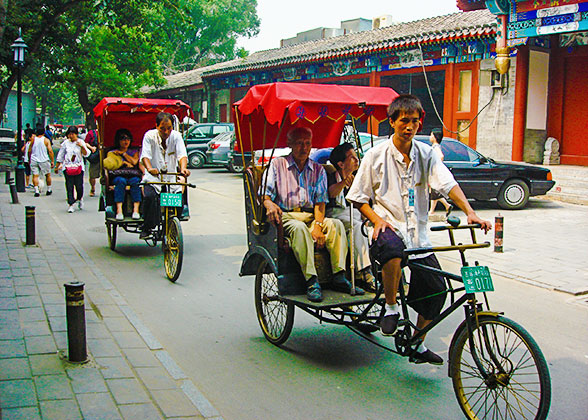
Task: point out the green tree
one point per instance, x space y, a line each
196 33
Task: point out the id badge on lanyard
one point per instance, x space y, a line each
411 198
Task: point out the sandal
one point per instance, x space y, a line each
92 193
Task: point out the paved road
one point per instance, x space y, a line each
207 322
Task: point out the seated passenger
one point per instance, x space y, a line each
345 161
130 159
295 195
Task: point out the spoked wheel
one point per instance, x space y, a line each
374 312
275 317
173 250
111 229
514 380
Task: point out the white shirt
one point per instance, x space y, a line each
384 178
153 150
70 154
39 150
437 149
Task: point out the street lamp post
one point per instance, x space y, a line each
19 47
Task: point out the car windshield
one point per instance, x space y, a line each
455 151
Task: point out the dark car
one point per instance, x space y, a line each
482 178
8 151
197 138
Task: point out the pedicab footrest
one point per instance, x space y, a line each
125 220
331 299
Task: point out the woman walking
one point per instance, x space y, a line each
70 160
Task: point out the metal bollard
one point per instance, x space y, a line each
498 232
30 224
76 322
13 191
7 177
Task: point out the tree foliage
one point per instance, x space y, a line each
96 48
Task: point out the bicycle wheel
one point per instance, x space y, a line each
515 383
173 253
111 229
275 317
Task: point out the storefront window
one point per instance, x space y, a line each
463 136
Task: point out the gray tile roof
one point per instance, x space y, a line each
187 78
435 29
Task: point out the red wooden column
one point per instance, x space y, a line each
520 103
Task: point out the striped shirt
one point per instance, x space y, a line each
290 187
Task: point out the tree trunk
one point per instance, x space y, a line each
6 93
86 106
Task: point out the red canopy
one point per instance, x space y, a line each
323 108
135 114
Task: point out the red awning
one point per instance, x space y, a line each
135 114
323 108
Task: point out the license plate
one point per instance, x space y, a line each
477 279
170 200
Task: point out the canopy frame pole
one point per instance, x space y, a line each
263 140
243 157
357 140
264 183
251 138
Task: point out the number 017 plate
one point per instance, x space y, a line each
477 279
170 200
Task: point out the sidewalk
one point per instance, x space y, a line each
129 375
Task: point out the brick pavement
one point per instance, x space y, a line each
129 374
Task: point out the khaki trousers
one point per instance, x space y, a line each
298 225
361 247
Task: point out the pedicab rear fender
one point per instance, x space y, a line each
253 258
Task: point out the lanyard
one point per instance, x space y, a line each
408 197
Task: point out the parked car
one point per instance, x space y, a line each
219 149
197 138
8 152
482 178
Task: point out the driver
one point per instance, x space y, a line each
295 196
163 151
395 176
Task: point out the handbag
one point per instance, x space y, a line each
94 157
73 170
126 173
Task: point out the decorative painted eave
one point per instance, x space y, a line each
470 5
448 28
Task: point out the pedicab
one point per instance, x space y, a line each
497 369
138 116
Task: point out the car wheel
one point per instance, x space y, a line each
513 195
196 160
234 168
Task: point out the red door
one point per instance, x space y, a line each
222 111
574 147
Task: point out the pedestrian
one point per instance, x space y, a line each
394 176
28 137
70 160
49 134
41 160
436 197
93 159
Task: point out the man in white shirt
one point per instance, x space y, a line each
396 176
163 150
41 159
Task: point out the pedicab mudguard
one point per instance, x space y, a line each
253 258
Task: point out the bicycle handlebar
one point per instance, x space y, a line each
449 227
183 184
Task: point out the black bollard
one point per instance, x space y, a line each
76 322
7 178
30 224
498 233
13 192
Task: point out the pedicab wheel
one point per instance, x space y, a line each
514 380
275 316
173 250
111 229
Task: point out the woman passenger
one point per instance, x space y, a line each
70 158
130 160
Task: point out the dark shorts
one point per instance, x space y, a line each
387 246
422 283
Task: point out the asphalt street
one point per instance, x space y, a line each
207 321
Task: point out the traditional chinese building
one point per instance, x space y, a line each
550 41
448 61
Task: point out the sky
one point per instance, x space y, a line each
284 19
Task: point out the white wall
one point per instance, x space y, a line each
537 90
